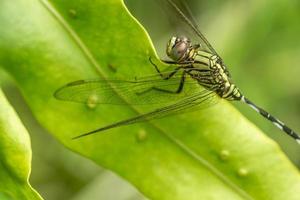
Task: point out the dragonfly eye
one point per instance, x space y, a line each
178 48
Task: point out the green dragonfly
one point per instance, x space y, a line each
196 66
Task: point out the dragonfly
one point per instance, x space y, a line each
196 65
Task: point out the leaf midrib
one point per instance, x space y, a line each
173 139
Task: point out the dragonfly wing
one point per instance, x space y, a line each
200 100
179 15
182 10
135 92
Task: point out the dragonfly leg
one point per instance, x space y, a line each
159 72
182 64
170 75
179 89
186 64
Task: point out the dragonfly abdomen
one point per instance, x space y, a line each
230 92
272 119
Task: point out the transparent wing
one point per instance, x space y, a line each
141 91
191 103
167 18
184 16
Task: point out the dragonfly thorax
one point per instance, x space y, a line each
226 89
180 49
209 70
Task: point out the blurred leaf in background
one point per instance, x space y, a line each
15 156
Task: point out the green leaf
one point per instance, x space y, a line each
15 153
210 154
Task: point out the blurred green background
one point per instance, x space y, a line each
259 42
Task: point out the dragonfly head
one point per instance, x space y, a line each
178 48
